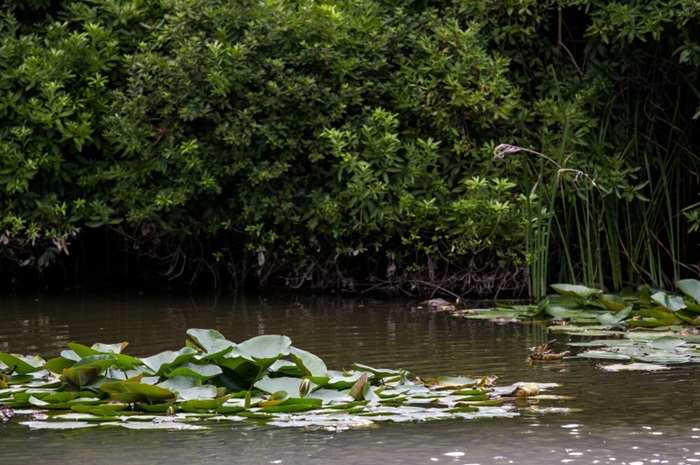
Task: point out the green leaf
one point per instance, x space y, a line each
165 425
79 377
604 354
22 364
160 363
110 348
17 379
650 323
310 364
690 287
614 320
289 385
378 372
695 308
202 372
690 317
211 342
197 393
613 302
57 424
634 367
263 350
231 380
575 290
666 342
101 360
100 410
131 391
82 351
57 397
575 315
453 382
672 303
70 355
288 408
330 396
165 408
198 405
462 409
180 383
343 381
663 357
655 317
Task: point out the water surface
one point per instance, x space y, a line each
628 418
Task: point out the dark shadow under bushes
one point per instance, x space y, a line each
107 259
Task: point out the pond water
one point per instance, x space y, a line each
628 418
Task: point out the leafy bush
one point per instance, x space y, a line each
334 144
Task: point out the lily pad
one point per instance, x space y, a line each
58 364
341 381
310 364
690 287
575 290
663 357
22 364
379 372
671 302
666 342
114 348
289 385
490 314
614 320
210 341
613 302
602 343
264 350
214 378
604 354
131 391
166 425
205 392
200 371
160 363
634 367
331 396
82 351
57 424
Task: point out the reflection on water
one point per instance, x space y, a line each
628 418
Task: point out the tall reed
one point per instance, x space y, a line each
542 214
627 230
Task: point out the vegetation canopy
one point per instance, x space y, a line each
350 145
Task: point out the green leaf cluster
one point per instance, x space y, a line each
335 143
264 378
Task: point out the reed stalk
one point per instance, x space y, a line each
542 217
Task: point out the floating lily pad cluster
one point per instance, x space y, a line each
213 379
645 330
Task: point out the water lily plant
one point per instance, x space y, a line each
212 378
645 330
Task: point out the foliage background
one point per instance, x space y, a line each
350 144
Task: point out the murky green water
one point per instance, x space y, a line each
628 418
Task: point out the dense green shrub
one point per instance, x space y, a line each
344 144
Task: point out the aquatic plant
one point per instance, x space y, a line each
649 329
540 211
263 379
